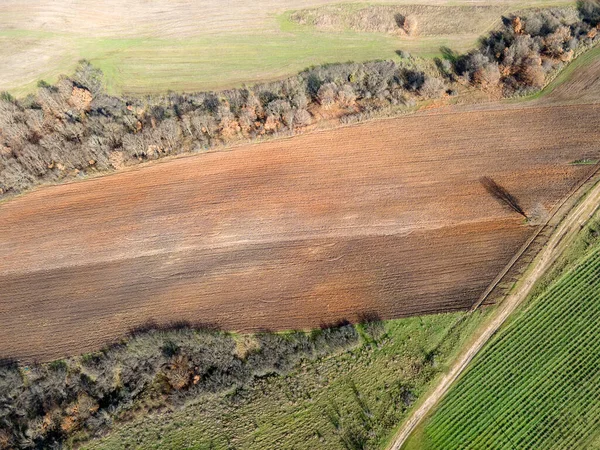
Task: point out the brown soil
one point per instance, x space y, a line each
386 217
582 87
562 237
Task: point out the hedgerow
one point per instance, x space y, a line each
74 128
41 405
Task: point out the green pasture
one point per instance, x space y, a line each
535 383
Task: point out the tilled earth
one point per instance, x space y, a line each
387 218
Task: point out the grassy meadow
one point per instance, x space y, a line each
350 400
142 63
156 65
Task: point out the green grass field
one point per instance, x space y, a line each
155 65
535 384
354 398
135 63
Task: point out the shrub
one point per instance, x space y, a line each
589 11
42 405
326 94
433 87
486 76
302 118
532 74
410 25
414 80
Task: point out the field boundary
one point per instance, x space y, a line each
535 235
553 249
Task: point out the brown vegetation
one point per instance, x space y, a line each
409 24
517 57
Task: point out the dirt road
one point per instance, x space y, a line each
560 239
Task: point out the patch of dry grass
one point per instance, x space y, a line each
432 20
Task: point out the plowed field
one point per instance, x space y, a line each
386 217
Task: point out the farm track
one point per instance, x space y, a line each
287 234
559 241
550 239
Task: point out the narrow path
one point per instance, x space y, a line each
560 239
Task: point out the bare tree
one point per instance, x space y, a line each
487 76
302 118
170 135
532 74
346 96
326 94
433 87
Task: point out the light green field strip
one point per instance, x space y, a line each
210 61
535 384
214 62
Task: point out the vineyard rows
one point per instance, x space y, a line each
535 384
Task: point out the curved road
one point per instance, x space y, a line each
560 239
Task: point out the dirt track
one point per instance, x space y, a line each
559 241
287 234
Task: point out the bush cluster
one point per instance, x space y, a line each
74 128
518 57
44 404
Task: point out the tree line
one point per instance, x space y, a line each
74 128
518 56
44 405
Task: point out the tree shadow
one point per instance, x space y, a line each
399 19
449 54
152 325
502 195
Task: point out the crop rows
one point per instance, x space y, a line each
535 384
276 236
